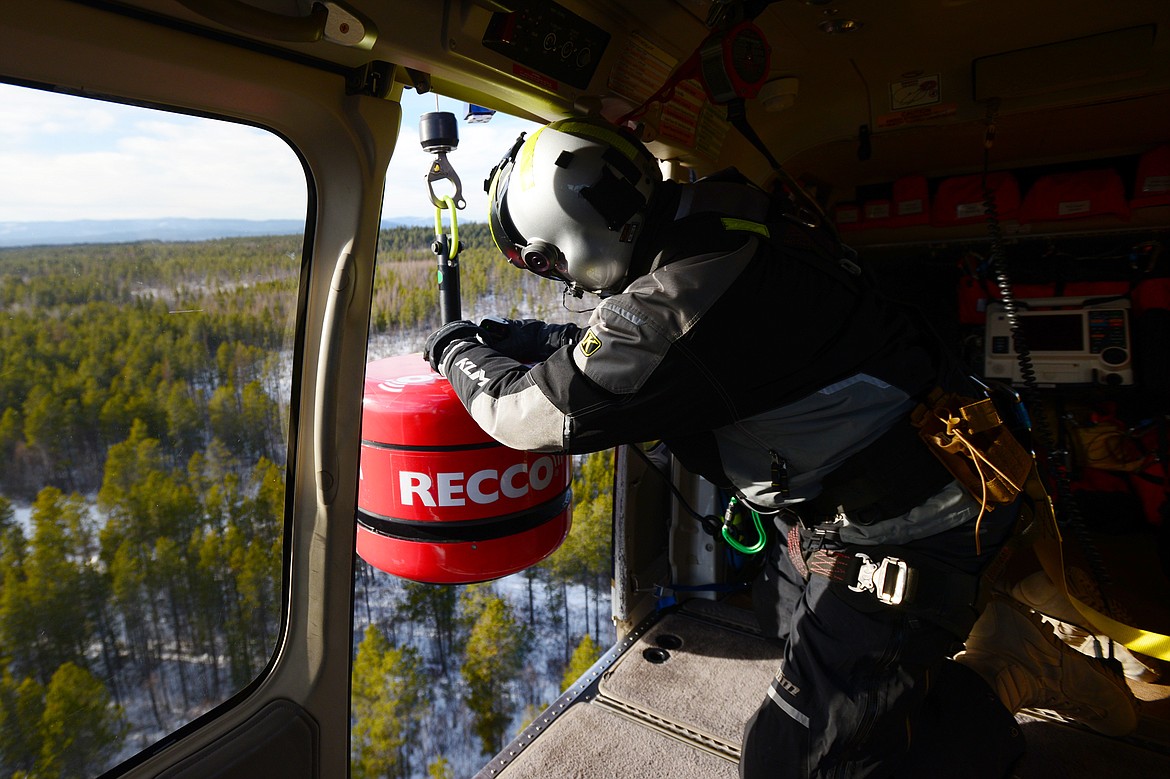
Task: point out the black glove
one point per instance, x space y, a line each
438 341
527 339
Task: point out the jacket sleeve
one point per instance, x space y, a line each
501 396
637 373
623 381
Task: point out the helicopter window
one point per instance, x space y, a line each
149 268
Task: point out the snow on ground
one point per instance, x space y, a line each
448 731
23 518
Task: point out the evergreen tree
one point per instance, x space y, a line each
226 418
128 464
440 768
259 421
494 658
256 569
436 604
12 550
45 610
584 656
22 704
585 556
11 436
184 420
79 730
386 698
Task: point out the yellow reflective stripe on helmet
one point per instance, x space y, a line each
730 223
522 172
603 134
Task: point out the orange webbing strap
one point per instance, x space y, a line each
1047 545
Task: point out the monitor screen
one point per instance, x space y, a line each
1054 332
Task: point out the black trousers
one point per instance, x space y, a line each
868 690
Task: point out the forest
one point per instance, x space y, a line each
145 391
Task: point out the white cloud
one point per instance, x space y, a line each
63 157
32 116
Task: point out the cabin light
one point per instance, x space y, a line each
839 26
779 94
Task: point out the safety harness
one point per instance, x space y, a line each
965 440
970 444
876 578
950 438
894 473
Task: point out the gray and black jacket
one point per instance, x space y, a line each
762 361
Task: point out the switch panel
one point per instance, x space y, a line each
549 39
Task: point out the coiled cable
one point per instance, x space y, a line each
1074 520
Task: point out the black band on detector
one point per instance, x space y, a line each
470 530
432 447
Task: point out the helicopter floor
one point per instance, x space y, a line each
673 698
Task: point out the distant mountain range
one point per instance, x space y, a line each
128 230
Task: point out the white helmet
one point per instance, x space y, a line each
568 203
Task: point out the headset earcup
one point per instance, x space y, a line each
540 256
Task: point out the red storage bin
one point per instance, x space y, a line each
847 216
911 202
876 213
961 200
1152 186
974 294
1075 195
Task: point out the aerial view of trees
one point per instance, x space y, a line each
142 432
144 399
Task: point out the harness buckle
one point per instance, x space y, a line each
888 580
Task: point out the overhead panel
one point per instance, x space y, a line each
1070 64
532 56
550 41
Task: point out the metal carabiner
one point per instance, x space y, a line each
441 169
729 531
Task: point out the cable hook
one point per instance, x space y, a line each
441 170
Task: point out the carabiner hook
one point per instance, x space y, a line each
728 522
441 169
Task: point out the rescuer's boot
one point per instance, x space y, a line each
1029 667
1039 593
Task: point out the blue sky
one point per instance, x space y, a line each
64 158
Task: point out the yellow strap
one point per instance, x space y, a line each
1048 550
448 205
